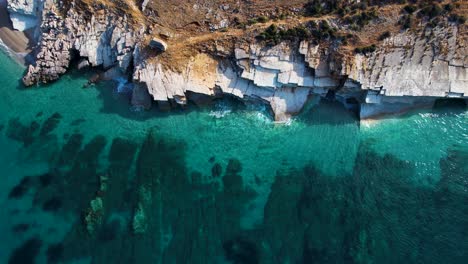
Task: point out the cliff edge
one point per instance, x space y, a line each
376 57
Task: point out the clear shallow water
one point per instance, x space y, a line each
224 184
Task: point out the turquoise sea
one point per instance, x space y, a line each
85 178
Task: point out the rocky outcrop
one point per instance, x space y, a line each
105 40
406 70
422 67
410 70
276 75
53 55
24 14
199 76
410 65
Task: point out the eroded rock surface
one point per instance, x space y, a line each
405 69
105 40
53 57
24 14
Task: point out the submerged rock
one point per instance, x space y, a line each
216 170
46 179
240 250
52 205
20 132
26 253
54 253
93 218
21 189
139 224
50 124
20 228
70 150
110 230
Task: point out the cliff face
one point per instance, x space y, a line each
407 68
24 13
105 40
411 65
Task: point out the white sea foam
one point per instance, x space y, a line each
16 56
428 115
220 113
5 48
221 110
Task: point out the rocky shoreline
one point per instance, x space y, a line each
405 71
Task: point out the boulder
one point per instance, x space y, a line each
24 13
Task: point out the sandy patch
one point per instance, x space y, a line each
15 40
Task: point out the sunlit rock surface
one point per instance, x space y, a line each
24 14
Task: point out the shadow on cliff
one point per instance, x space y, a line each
119 103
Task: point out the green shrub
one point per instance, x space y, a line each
431 11
252 21
325 26
322 7
274 35
365 50
361 19
410 9
313 8
405 21
384 35
262 19
459 19
270 35
448 7
322 31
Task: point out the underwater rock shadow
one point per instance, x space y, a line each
120 104
377 213
329 112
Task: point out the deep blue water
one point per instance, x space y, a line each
87 179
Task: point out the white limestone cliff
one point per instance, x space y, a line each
409 65
406 70
105 40
24 14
